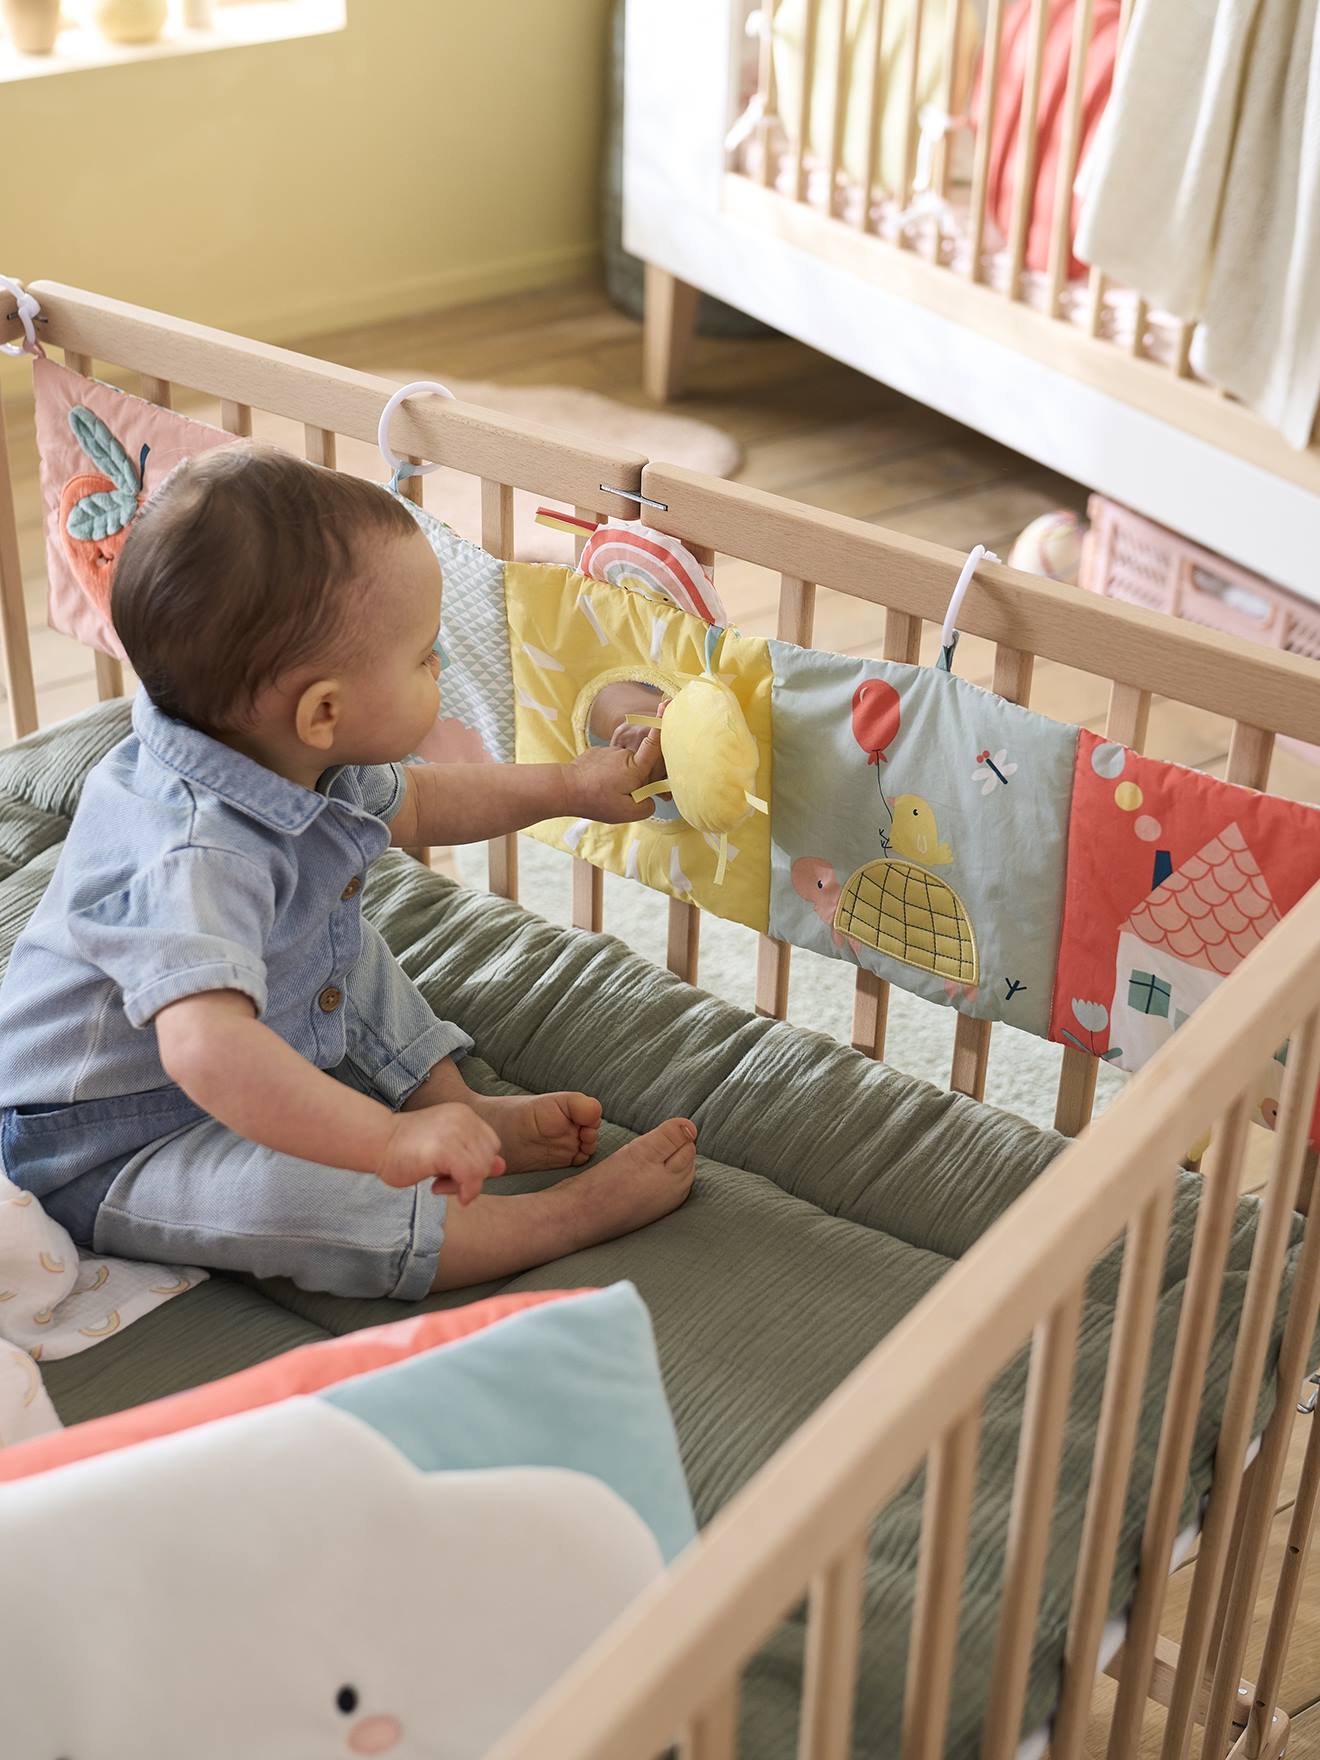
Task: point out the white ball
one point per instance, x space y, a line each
1051 545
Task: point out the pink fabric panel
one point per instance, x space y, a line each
80 569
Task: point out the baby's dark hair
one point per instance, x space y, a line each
234 572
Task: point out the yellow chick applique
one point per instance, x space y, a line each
915 834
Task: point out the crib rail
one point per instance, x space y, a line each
919 219
800 1526
172 356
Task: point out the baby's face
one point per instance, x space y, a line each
390 698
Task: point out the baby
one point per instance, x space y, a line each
210 1057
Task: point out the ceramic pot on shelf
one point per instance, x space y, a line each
128 21
33 25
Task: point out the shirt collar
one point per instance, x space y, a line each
237 780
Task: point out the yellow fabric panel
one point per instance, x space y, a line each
568 637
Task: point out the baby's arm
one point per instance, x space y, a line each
245 1076
466 803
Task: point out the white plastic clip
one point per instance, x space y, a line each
949 629
29 309
401 467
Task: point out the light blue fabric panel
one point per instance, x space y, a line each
575 1383
477 685
998 841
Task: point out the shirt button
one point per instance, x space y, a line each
352 889
330 999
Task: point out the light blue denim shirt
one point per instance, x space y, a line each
190 867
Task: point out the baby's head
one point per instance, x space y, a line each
285 609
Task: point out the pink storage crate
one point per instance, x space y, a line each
1128 557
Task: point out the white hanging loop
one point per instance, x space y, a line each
401 467
28 310
949 629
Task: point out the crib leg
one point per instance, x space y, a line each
669 325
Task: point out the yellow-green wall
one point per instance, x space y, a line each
434 151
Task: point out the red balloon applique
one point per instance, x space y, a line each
875 716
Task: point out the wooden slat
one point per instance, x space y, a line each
588 896
1182 351
77 362
713 1734
797 607
14 642
1258 1308
768 88
109 677
1292 1576
1197 666
1186 1379
1266 1477
1128 720
1075 1100
839 105
236 418
1140 313
994 31
971 1056
834 1629
684 939
948 78
497 538
874 111
773 960
946 1518
910 106
588 904
321 394
414 488
810 31
1049 1381
1025 186
1061 224
871 995
870 1014
1249 753
1120 1409
156 390
319 446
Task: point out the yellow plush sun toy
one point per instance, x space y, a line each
711 756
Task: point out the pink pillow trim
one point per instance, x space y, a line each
305 1369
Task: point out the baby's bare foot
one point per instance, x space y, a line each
640 1183
541 1130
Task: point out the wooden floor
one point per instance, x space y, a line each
820 433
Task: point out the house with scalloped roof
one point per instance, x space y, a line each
1198 923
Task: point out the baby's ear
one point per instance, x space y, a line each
316 713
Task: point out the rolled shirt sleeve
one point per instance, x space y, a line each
380 788
196 920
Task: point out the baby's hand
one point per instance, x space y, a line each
448 1144
601 781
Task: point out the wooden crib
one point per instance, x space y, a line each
825 238
799 1528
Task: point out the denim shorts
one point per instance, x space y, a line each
206 1196
151 1176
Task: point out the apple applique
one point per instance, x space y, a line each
97 507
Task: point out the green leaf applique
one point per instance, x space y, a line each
103 449
102 514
